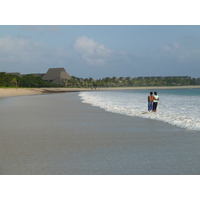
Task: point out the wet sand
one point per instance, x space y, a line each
56 134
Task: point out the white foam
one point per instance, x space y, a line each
179 110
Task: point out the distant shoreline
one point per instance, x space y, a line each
153 88
11 92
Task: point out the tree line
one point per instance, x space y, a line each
10 80
129 82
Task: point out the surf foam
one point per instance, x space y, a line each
180 110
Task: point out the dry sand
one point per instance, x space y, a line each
8 92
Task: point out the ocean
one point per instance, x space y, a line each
100 133
179 107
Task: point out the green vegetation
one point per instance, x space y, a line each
8 80
11 80
131 82
32 81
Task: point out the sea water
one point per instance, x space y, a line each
179 107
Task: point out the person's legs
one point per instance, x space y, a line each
155 106
150 106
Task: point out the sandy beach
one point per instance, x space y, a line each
8 92
61 135
58 135
11 92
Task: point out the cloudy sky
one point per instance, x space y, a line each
101 50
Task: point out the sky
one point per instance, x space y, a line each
98 51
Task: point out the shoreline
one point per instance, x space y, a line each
11 92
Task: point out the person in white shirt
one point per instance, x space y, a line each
155 101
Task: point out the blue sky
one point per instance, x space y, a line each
102 50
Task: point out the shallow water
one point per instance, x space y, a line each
57 134
178 107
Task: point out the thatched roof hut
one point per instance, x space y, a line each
56 75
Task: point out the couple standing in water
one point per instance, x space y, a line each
153 101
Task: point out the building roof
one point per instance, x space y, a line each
38 75
15 73
56 75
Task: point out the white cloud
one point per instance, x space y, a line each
177 52
171 48
91 52
21 54
166 47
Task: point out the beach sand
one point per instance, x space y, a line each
8 92
57 134
11 92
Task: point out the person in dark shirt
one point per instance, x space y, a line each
150 102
